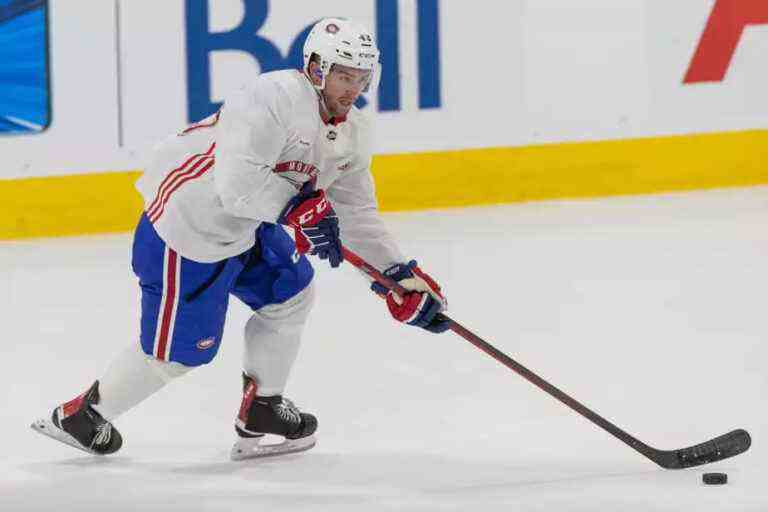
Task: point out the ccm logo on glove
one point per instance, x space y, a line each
306 218
315 223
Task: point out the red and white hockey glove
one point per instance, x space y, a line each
421 306
316 225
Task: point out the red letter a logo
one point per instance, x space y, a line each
721 37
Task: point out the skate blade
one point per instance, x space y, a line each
47 428
251 447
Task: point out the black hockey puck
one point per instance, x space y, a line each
715 478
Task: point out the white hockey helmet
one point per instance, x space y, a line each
344 42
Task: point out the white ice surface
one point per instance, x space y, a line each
651 310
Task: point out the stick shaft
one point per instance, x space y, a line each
513 365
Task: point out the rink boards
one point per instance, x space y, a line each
518 101
107 202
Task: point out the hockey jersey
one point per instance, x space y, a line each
207 189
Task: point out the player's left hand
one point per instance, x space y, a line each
419 307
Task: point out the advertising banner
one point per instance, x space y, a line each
125 73
479 102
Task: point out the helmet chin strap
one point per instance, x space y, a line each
321 98
324 103
319 89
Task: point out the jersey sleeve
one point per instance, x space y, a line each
251 133
353 196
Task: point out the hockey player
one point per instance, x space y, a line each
289 149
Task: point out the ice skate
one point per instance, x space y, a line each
261 416
77 424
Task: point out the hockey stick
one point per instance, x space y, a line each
722 447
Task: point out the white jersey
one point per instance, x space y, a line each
207 189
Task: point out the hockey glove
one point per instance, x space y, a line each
316 225
421 306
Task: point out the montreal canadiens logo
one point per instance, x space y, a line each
332 28
206 343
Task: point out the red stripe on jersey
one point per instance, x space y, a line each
152 212
159 212
174 173
170 301
203 124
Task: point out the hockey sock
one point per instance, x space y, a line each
132 377
272 339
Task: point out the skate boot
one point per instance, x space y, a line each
77 424
275 415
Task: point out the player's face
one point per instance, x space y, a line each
343 86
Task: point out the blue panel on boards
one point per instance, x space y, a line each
24 75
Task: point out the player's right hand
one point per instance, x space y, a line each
316 225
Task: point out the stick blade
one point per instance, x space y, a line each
722 447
